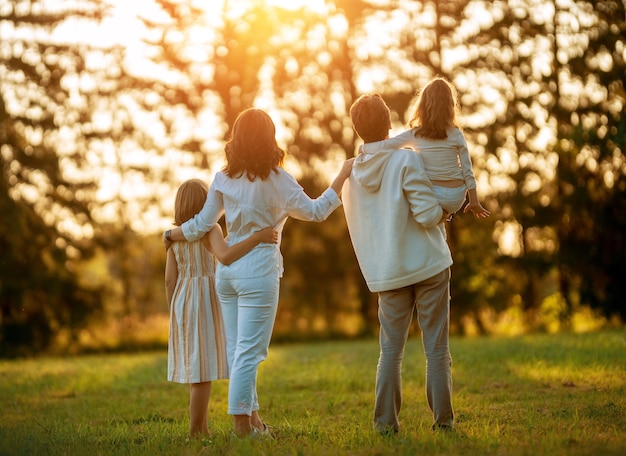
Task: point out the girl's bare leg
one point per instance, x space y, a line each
199 396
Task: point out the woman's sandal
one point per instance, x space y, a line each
265 432
256 434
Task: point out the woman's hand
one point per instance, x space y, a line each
346 168
343 174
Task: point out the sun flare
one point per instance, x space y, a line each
314 5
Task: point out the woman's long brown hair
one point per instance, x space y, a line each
252 149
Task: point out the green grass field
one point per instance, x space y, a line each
534 395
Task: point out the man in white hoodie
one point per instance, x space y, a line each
394 222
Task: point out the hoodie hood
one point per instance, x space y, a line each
369 167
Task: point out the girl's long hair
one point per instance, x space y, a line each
436 110
252 149
190 198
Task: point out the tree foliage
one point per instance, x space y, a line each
96 138
591 180
45 226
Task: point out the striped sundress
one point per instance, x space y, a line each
197 342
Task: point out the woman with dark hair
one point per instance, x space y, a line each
253 192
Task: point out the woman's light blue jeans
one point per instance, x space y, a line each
249 309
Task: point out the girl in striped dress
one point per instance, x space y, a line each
197 342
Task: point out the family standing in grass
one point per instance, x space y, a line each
395 221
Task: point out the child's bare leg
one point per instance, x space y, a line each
198 408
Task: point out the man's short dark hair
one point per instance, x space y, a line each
371 117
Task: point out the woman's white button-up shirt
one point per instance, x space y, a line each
251 206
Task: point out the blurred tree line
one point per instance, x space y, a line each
96 135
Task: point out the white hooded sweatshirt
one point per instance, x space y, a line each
392 215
